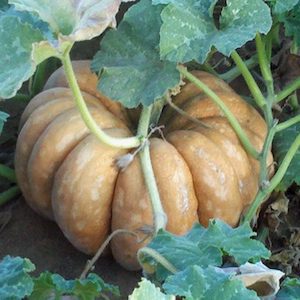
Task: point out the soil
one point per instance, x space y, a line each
26 234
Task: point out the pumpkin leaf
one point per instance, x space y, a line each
235 242
15 283
206 283
3 119
55 285
282 6
189 31
290 289
203 247
16 53
148 291
131 69
291 21
73 20
281 145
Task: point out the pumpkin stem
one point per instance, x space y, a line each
229 115
267 189
9 194
7 173
124 143
146 251
159 216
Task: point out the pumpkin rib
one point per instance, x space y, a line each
216 186
37 121
244 113
52 146
237 158
132 207
87 82
82 191
51 95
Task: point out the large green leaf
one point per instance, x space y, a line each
55 285
281 145
236 242
204 246
148 291
131 69
291 21
189 31
282 6
181 251
73 20
3 119
16 53
290 289
209 283
15 283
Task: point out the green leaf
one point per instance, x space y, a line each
131 69
203 247
281 145
55 285
291 21
210 283
182 251
44 288
189 31
16 62
148 291
235 242
15 283
73 20
3 119
282 6
290 289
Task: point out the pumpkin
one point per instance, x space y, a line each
67 175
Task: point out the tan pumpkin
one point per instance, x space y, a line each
202 172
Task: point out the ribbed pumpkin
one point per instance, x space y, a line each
202 172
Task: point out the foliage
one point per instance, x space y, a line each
203 247
189 31
282 142
206 283
148 291
51 28
290 289
16 283
3 118
133 49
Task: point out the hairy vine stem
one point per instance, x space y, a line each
8 173
229 115
125 143
157 256
159 216
264 192
9 194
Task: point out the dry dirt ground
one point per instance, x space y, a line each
26 234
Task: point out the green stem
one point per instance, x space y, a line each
146 251
263 193
157 110
7 173
264 65
264 174
159 216
229 115
288 123
125 143
289 89
9 194
21 97
252 85
294 101
235 71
